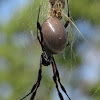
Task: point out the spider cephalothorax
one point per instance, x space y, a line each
46 59
53 39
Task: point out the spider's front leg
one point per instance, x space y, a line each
55 81
38 80
37 84
57 74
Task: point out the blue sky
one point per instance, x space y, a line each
9 7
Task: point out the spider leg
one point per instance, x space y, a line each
38 25
38 81
36 85
57 74
67 23
55 81
39 28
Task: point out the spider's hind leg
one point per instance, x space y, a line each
67 23
40 38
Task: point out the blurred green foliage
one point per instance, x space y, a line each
23 61
86 9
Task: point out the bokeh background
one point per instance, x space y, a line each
79 64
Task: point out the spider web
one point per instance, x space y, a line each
75 64
63 65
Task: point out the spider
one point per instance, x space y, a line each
53 39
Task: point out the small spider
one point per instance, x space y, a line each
53 39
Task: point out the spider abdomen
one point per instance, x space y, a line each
54 35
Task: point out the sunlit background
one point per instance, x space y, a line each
79 64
